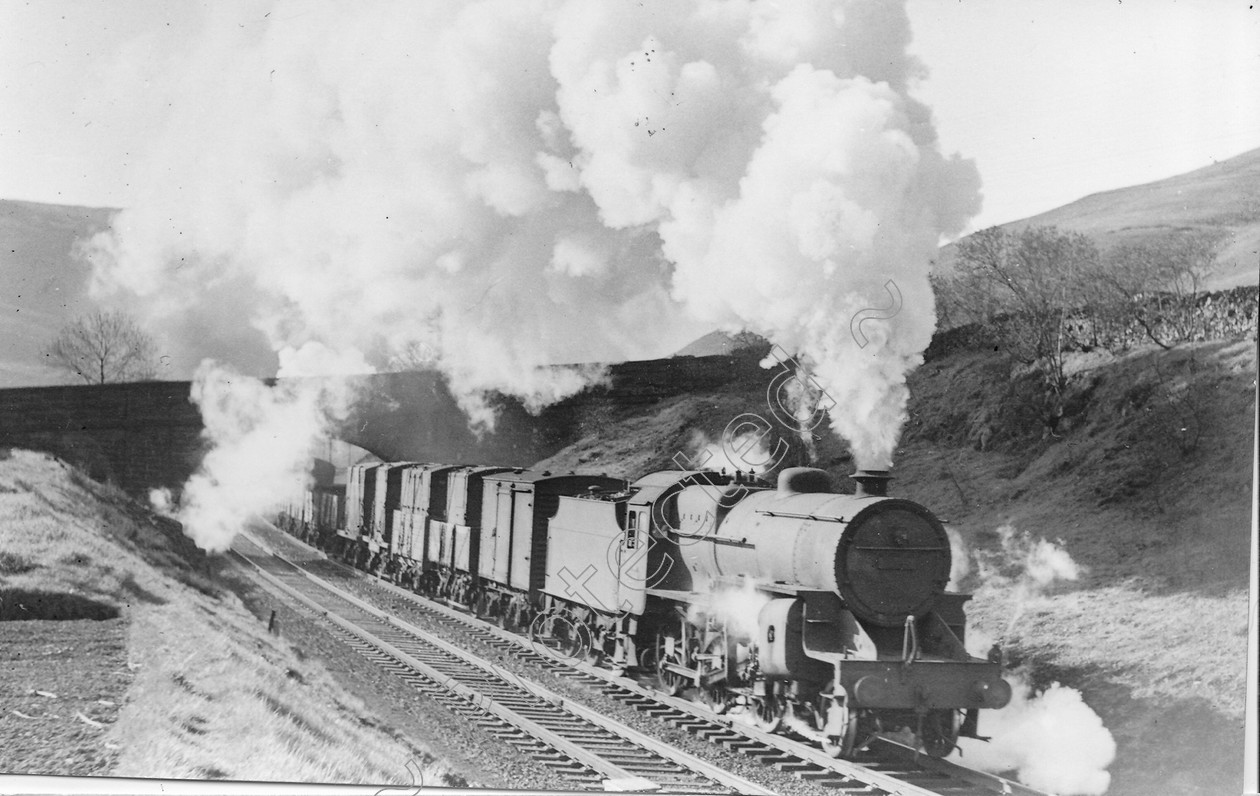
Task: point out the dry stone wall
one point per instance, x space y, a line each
1171 319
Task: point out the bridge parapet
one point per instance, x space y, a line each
149 434
137 436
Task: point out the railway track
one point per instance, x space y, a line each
885 768
583 747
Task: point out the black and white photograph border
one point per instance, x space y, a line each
714 397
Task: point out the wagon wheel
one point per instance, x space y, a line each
500 613
597 648
646 660
541 631
560 633
769 709
938 732
485 606
522 616
515 618
672 683
581 641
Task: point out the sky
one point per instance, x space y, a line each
313 190
1052 99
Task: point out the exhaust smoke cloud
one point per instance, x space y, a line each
1049 737
261 440
733 607
737 453
1026 567
514 185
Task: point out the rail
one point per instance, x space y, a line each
893 768
526 705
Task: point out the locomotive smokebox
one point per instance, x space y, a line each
871 483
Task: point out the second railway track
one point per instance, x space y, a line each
584 748
887 767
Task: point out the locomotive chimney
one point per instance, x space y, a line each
871 483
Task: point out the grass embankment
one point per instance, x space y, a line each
183 682
1145 482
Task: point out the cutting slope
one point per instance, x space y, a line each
123 656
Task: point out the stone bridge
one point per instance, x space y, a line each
149 434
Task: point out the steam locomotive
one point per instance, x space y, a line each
806 606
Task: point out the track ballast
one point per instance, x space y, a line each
582 747
886 767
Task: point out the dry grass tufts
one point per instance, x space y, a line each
13 564
214 696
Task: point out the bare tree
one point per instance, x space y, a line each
1039 276
1153 283
963 298
104 347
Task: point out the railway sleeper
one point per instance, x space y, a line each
628 755
552 720
505 732
611 742
687 786
821 774
715 734
793 766
768 756
839 785
741 743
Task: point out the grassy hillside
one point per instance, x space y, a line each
122 657
1148 487
42 285
1145 483
1222 199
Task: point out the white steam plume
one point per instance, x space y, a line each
161 501
959 560
1026 566
261 440
518 184
735 607
739 453
1050 738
